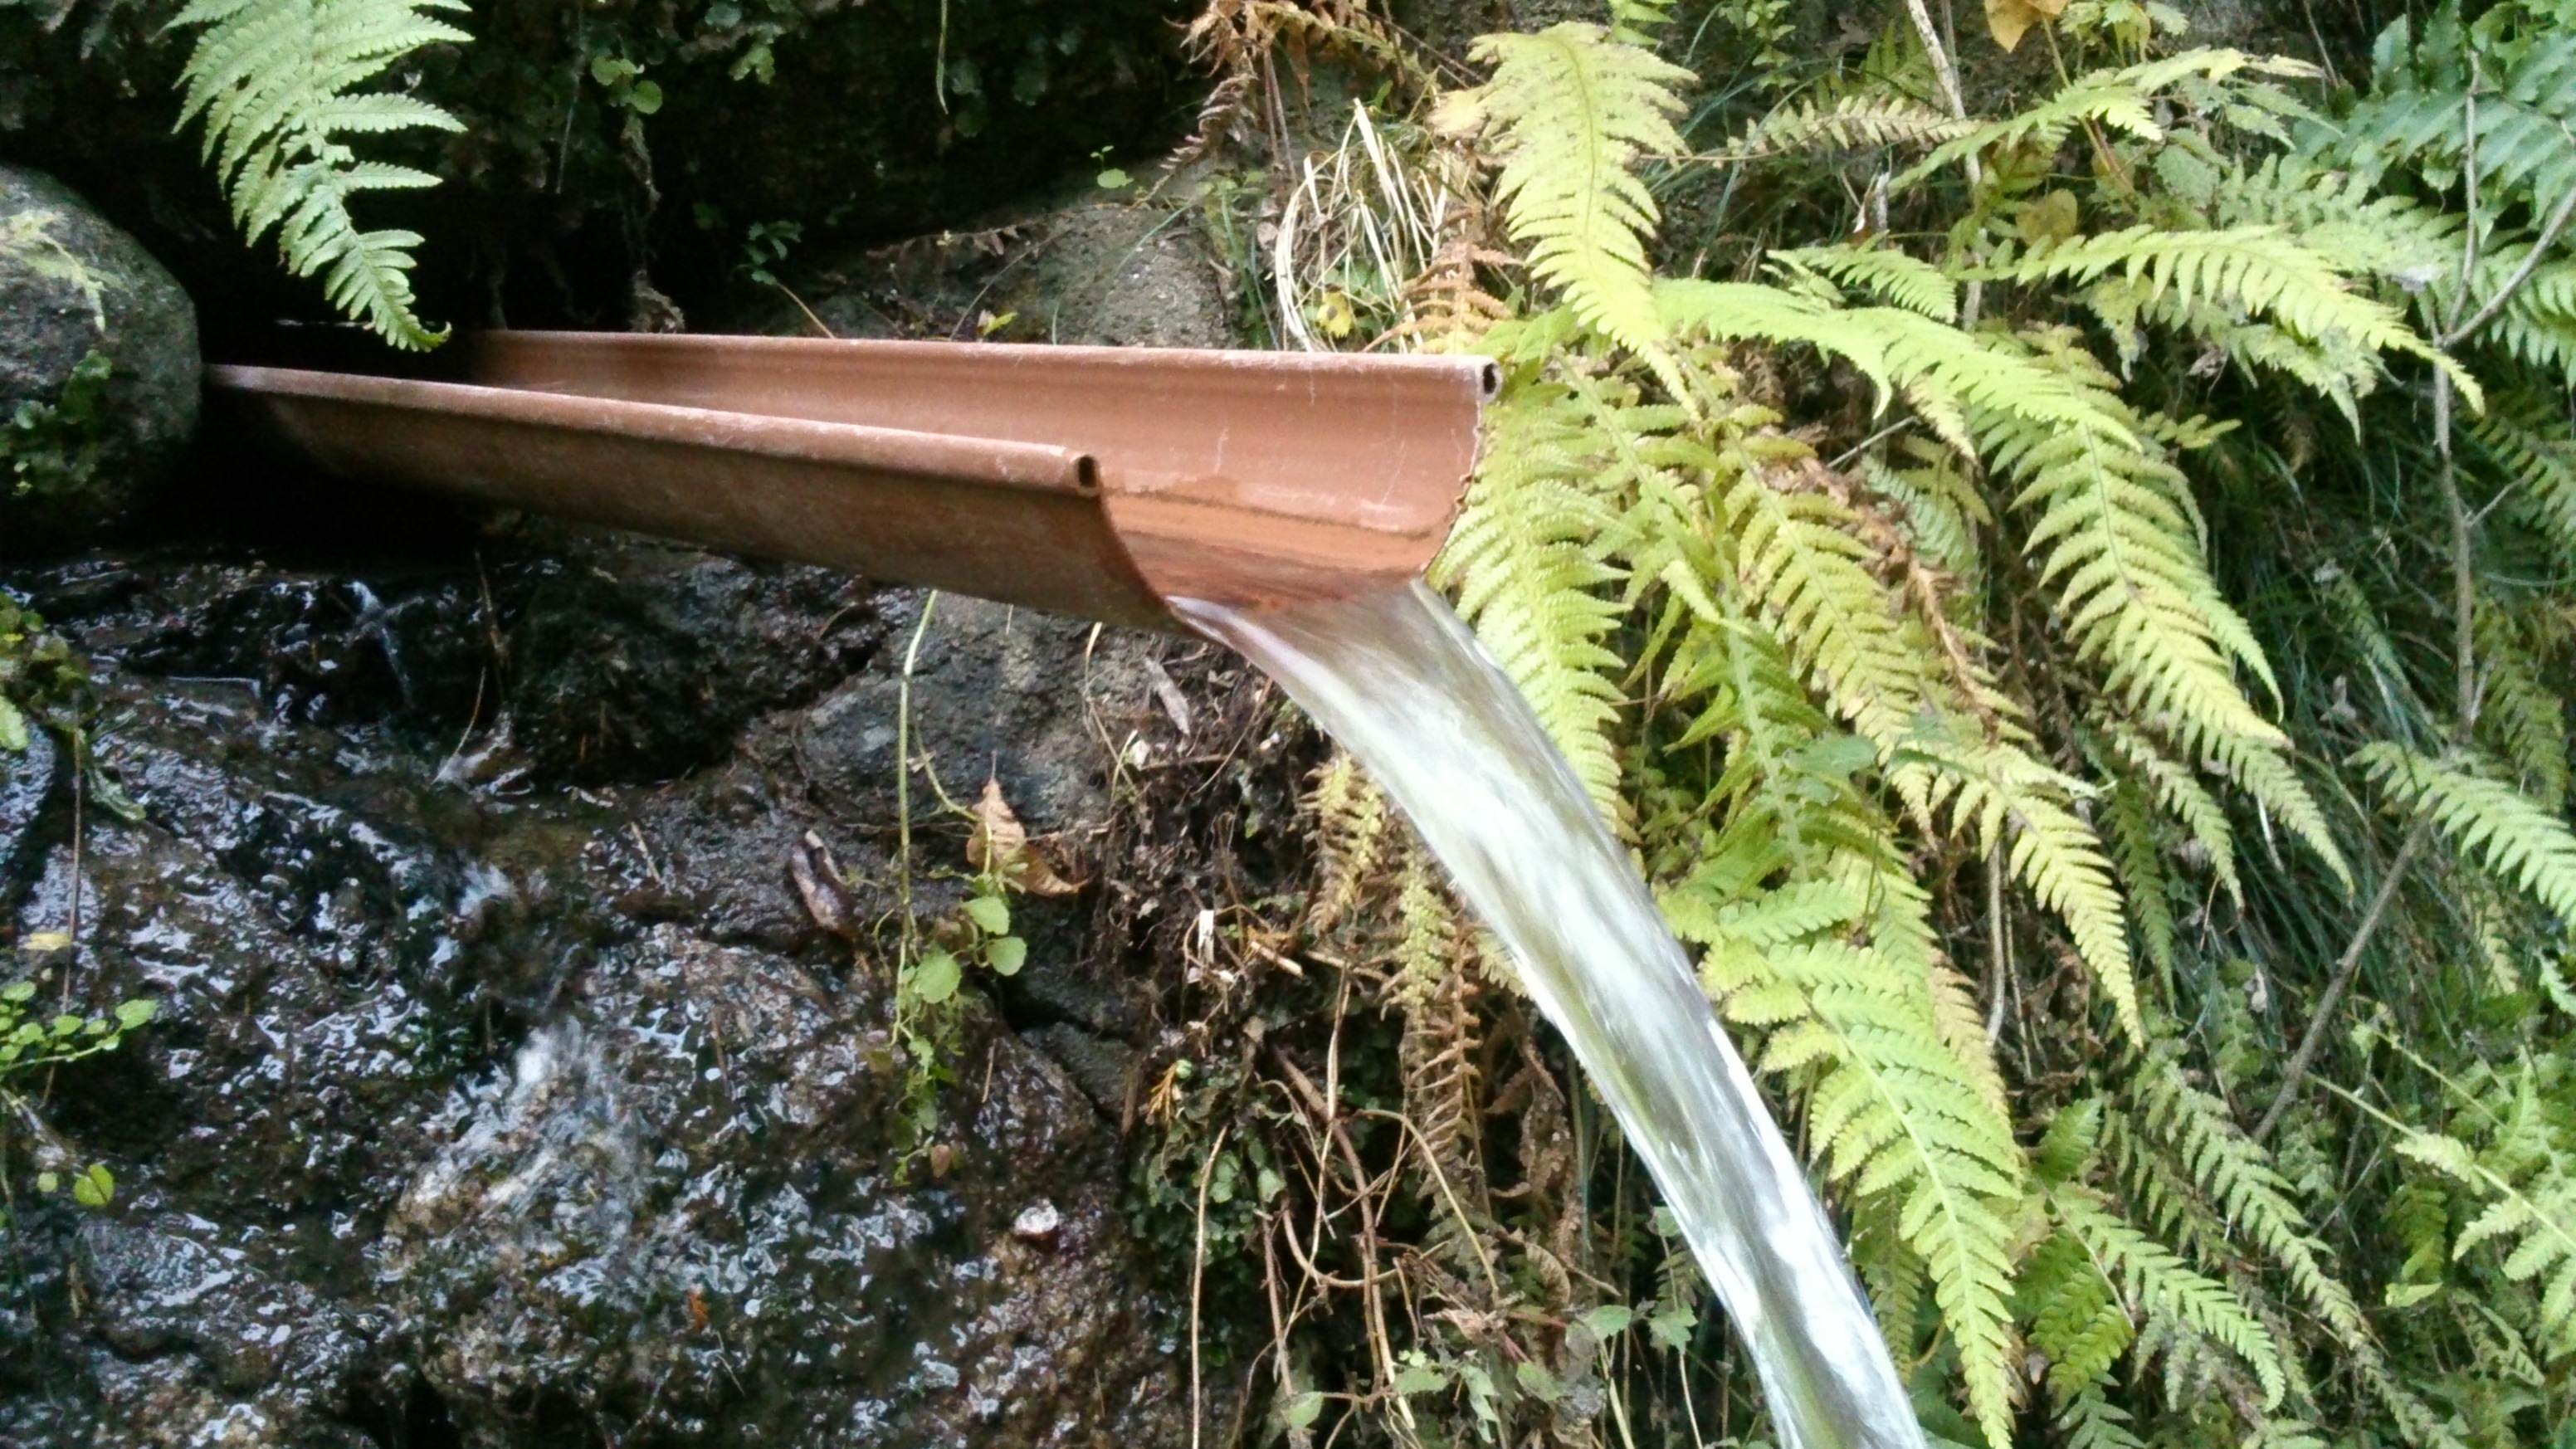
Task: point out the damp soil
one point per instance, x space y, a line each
505 1088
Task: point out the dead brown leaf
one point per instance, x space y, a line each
1001 845
818 879
2011 19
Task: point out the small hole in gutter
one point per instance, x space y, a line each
1086 473
1492 382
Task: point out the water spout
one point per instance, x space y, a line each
1283 504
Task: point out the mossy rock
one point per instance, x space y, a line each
98 367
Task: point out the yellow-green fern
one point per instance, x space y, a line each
271 80
1569 111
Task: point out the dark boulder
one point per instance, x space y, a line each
492 1102
98 367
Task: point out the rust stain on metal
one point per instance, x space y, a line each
1095 481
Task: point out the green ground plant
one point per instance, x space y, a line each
34 1044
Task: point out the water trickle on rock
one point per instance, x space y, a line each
1399 680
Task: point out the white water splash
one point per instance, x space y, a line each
1405 687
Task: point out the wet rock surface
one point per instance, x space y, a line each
98 366
505 1091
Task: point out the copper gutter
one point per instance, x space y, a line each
1093 481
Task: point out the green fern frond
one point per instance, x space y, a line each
1528 571
2077 1321
1963 1030
2182 1129
2138 855
2523 1175
2179 791
2004 797
2485 818
2257 269
1635 22
2160 1283
1886 273
1851 122
2118 535
2092 1421
1939 507
2418 113
1895 348
2531 439
1890 1113
271 79
2116 530
2112 100
2521 713
1811 575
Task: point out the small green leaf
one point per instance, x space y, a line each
1419 1378
1112 179
934 976
104 789
95 1188
131 1014
1672 1327
608 70
18 991
645 98
13 727
1307 1407
48 1181
1537 1382
1006 954
1609 1320
991 914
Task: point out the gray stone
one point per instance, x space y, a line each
26 778
78 296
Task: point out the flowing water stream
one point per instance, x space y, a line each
1404 686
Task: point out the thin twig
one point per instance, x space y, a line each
1466 1225
1998 943
2464 584
1198 1268
1948 73
1373 1310
2464 603
2313 1040
2464 598
2548 238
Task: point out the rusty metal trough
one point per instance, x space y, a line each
1092 481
